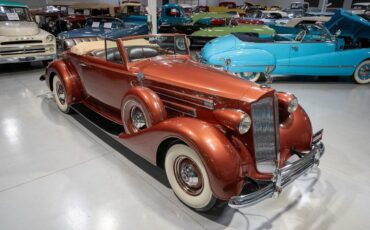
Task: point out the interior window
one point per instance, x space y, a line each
112 53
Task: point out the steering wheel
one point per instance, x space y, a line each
300 36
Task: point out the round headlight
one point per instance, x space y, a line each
293 105
51 24
245 124
49 38
69 25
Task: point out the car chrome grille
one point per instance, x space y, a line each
264 135
22 50
21 42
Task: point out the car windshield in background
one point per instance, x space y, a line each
103 23
153 46
8 13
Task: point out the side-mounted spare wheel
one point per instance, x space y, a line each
60 95
362 73
188 177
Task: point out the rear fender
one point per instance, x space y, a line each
245 60
69 78
219 156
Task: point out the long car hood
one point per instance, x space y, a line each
18 28
348 23
191 75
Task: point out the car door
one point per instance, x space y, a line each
105 77
315 55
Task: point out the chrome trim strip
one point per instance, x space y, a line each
321 66
4 60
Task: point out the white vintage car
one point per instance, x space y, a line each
20 38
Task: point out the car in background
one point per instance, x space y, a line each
21 40
360 7
297 9
313 51
76 16
201 37
216 136
108 27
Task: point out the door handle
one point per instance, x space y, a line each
295 47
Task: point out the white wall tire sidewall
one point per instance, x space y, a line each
257 76
355 75
64 108
206 196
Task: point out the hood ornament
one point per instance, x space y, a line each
268 82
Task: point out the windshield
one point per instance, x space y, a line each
10 13
104 23
153 46
316 33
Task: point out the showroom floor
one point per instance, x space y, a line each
59 172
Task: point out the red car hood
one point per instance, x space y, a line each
192 75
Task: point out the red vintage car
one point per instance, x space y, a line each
217 136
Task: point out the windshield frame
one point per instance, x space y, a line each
127 60
25 9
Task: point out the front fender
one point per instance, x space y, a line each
245 60
69 76
219 156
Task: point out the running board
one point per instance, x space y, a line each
101 122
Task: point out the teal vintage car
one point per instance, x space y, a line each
313 51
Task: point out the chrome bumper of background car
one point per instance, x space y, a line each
5 60
282 177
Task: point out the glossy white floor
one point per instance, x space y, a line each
57 172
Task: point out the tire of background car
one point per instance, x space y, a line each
188 178
60 95
250 76
362 73
141 109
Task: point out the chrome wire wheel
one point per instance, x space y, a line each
362 73
138 119
188 175
60 95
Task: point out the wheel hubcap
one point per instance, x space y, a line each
364 72
138 118
60 93
188 176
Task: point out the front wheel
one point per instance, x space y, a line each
60 95
250 76
362 73
188 177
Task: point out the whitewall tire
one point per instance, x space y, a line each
60 95
188 177
362 73
250 76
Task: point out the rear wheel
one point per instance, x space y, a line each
60 95
188 177
250 76
362 73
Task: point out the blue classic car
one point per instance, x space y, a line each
313 51
109 27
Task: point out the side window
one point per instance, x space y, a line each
112 53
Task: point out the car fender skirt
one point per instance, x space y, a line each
70 79
219 156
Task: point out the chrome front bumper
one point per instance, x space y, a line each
282 177
5 60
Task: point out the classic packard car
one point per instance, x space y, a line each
20 38
76 16
313 51
109 27
215 135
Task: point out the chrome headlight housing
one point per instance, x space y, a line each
69 25
293 105
245 124
49 38
51 24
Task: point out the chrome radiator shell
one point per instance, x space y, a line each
265 129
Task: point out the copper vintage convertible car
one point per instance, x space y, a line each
218 137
